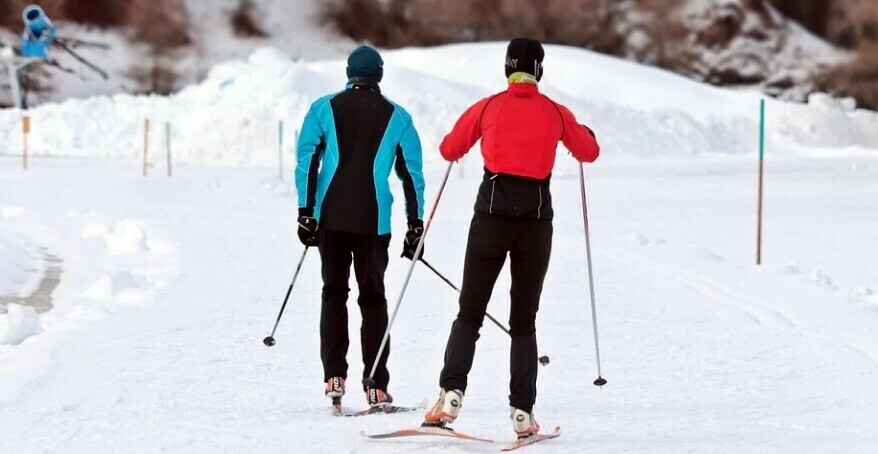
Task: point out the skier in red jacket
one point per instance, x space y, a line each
520 129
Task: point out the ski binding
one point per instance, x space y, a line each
535 438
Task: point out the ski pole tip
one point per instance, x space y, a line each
544 360
268 341
600 382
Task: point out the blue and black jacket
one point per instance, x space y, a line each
349 143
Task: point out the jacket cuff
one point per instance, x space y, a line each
306 211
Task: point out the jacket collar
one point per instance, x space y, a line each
363 82
524 88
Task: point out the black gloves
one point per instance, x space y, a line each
412 239
308 231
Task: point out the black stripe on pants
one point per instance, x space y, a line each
368 253
528 242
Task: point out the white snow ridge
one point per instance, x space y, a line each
17 324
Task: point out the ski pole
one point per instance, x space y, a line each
269 341
369 382
594 318
544 360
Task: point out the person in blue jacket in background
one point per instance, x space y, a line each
39 33
350 142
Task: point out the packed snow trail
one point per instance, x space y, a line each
703 351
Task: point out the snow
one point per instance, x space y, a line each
17 324
292 25
170 284
21 267
763 47
250 97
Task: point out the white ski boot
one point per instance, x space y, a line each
523 423
446 409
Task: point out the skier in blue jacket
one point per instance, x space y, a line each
350 142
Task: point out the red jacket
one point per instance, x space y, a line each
520 130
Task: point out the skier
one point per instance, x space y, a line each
349 143
520 129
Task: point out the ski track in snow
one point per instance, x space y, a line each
155 340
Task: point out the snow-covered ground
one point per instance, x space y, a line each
703 351
19 264
170 284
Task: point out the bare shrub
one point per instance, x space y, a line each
359 19
100 13
9 13
162 26
857 78
243 21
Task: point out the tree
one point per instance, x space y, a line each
812 14
162 26
243 21
101 13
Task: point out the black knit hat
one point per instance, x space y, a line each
525 55
365 61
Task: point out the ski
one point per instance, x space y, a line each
338 410
425 431
536 438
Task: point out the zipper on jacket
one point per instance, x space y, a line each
493 187
540 208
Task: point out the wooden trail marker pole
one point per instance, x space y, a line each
145 145
25 129
761 181
280 149
168 145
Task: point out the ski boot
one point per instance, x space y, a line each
445 410
378 397
335 390
523 423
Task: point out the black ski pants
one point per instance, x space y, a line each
368 253
528 242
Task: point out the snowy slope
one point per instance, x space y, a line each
19 267
641 110
169 284
292 25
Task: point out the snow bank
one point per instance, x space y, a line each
232 117
113 285
21 268
125 237
19 323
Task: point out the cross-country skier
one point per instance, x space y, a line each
350 142
520 129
